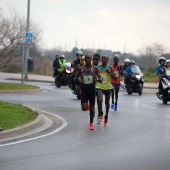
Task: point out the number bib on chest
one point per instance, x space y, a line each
104 79
116 73
88 79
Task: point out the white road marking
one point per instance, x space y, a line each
149 107
64 124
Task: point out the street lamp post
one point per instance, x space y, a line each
27 30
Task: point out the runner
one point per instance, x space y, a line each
87 75
116 81
104 88
96 59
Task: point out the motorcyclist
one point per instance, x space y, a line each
161 66
62 64
55 65
132 62
126 70
168 64
76 62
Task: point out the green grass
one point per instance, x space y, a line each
15 86
14 115
150 75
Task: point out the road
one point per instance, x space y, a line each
137 136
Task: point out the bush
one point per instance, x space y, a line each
150 75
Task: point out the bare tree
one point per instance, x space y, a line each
12 32
150 53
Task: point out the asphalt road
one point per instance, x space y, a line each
137 136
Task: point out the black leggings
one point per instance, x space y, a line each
115 91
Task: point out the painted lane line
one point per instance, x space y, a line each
155 127
149 107
63 125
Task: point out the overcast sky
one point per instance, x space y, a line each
119 25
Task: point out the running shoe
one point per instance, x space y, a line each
91 127
100 118
115 108
105 120
112 106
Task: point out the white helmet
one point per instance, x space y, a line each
167 61
132 62
79 53
62 55
162 58
127 60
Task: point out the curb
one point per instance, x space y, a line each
145 90
23 129
42 81
21 91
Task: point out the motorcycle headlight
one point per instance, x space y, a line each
67 71
168 84
138 76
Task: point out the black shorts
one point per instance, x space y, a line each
88 93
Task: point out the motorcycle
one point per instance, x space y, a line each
135 81
64 76
165 81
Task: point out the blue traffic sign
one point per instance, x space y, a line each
28 37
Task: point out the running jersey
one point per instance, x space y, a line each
117 74
106 79
87 76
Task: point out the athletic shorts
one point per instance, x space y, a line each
105 91
88 93
115 84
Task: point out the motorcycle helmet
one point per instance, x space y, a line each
168 61
162 58
127 60
62 56
132 62
79 53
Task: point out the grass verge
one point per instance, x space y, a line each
14 115
16 86
150 75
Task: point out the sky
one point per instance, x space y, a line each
117 25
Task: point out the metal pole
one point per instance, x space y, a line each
27 30
23 57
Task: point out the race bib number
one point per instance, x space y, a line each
116 73
88 79
104 79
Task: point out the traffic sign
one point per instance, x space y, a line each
28 37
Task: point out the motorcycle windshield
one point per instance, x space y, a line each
135 69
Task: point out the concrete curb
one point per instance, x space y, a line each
22 129
21 91
42 81
145 90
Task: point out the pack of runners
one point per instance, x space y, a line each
99 81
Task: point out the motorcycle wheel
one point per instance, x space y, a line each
140 90
164 101
78 97
129 92
57 83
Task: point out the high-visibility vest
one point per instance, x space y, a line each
62 64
